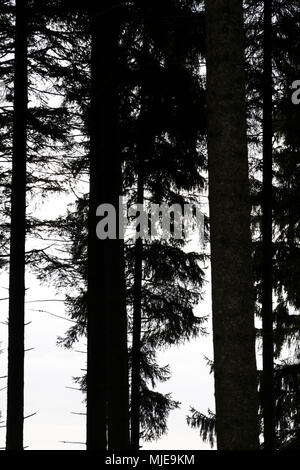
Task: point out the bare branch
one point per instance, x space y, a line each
29 416
73 442
52 314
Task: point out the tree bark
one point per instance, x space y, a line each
15 386
229 202
107 369
267 297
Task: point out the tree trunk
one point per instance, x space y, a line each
137 321
107 369
142 150
232 296
267 306
118 386
15 387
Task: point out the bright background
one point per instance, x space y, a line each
49 370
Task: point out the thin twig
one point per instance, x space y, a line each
29 416
52 314
44 300
73 442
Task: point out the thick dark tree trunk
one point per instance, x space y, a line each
267 305
107 369
232 296
96 325
15 387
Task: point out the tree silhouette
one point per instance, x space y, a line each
107 366
15 383
233 309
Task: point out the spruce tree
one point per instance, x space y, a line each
167 316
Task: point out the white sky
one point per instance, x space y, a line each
49 370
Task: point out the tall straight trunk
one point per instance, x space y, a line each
267 304
96 321
118 380
107 368
229 202
137 322
15 386
142 149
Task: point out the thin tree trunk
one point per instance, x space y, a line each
232 296
267 305
118 380
142 149
107 369
15 387
137 322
